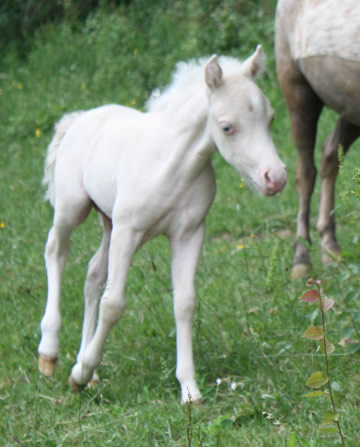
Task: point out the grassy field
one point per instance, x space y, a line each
252 363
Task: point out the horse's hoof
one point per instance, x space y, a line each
300 271
329 257
47 365
75 387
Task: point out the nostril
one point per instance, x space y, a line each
274 180
268 181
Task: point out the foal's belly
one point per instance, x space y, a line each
337 82
169 206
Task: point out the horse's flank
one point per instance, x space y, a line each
314 30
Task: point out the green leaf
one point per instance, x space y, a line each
310 296
354 348
352 296
329 417
317 380
347 332
313 333
347 253
292 440
317 393
329 346
329 428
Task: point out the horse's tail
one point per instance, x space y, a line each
61 128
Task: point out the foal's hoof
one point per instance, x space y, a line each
75 387
198 402
94 382
300 271
47 365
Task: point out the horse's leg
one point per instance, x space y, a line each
343 135
66 219
304 108
123 245
186 251
95 280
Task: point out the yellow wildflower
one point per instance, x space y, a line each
2 224
18 85
136 51
240 246
38 133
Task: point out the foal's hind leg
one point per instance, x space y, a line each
95 280
124 243
66 218
343 135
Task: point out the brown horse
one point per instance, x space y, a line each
317 46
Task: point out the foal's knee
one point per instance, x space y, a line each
51 245
95 280
111 309
184 306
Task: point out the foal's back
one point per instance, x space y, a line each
320 39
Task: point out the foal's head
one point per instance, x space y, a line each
240 117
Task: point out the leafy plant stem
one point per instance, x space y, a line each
327 364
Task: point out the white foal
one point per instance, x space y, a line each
148 174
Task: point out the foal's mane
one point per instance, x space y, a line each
188 80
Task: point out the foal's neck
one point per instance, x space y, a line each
192 132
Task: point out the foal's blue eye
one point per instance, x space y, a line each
227 128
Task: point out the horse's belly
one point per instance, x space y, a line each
336 82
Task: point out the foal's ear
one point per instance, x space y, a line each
255 64
213 73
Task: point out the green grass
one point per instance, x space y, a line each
248 320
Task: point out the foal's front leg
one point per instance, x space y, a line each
123 245
186 251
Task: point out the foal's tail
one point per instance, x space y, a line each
61 128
